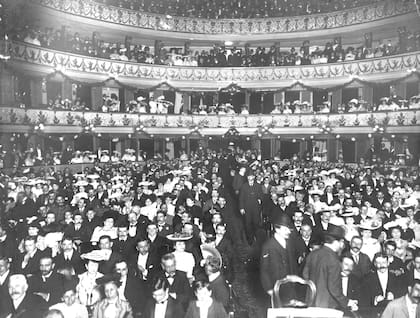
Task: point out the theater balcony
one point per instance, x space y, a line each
56 65
93 16
75 122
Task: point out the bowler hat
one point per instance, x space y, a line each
335 231
283 220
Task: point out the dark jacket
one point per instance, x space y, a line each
363 267
180 286
323 267
53 285
216 310
220 290
75 262
32 306
371 288
33 264
276 262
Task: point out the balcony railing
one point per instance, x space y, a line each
48 121
184 78
92 10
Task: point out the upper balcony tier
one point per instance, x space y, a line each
96 16
17 120
37 61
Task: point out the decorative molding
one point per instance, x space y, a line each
93 10
95 70
15 120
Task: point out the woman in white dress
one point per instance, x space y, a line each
184 260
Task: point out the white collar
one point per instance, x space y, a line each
213 276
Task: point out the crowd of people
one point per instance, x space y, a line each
162 236
219 55
159 105
237 9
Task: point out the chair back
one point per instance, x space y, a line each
276 300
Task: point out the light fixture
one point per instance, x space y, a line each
228 43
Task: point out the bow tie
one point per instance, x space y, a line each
171 275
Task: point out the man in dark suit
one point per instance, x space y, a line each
164 229
224 246
303 241
137 224
78 230
144 262
163 305
4 275
69 257
124 245
47 283
8 244
107 266
101 195
250 199
140 197
179 286
28 262
158 244
378 202
414 272
380 286
350 283
362 264
19 302
323 267
278 257
131 288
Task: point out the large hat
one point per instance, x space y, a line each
369 225
208 250
283 220
335 231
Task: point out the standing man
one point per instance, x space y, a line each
323 267
278 257
250 199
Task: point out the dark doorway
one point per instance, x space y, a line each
147 146
265 149
349 151
288 149
84 142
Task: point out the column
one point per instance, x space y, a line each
336 99
367 94
247 98
128 96
362 146
7 87
96 96
332 149
37 87
67 90
278 98
401 89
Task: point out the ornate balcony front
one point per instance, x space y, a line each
242 29
45 62
17 120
